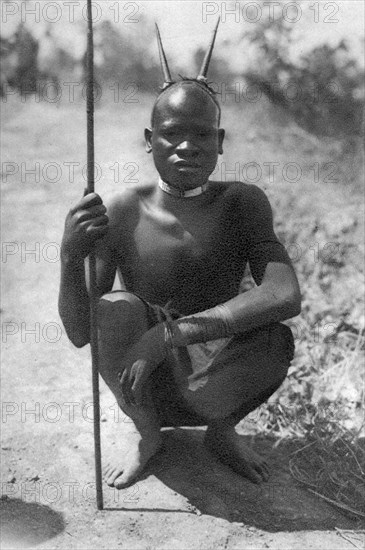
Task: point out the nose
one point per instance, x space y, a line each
187 149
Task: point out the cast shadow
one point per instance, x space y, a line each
280 504
26 524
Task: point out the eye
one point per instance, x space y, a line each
170 133
203 134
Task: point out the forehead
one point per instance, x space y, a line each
186 102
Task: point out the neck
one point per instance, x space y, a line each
181 193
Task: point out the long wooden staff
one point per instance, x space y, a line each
92 259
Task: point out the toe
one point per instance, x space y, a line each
123 481
253 475
266 471
107 470
109 481
247 470
263 472
113 475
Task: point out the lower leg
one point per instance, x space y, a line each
224 443
222 440
122 321
249 372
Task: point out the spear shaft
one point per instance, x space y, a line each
92 259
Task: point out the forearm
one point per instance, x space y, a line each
73 304
260 306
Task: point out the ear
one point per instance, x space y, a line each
148 139
221 134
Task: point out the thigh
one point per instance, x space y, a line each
122 319
248 366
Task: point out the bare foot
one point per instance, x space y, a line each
127 459
224 442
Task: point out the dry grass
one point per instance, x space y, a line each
331 465
320 405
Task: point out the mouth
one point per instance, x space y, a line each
186 165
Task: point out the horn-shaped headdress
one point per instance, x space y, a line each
164 65
202 76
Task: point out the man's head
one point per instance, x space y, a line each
185 137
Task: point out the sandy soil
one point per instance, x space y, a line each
186 499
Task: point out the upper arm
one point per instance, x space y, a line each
281 280
123 211
105 267
263 246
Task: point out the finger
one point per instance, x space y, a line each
126 388
91 199
96 233
137 391
101 221
138 382
90 213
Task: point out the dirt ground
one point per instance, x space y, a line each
186 500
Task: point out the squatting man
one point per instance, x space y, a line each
179 346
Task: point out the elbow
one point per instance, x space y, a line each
78 341
78 338
77 334
296 309
292 304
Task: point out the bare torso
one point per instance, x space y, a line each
190 253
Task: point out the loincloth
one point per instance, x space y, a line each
168 400
200 356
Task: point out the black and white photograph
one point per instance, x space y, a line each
182 275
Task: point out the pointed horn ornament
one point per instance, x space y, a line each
163 60
205 65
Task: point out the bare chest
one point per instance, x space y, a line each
179 238
183 253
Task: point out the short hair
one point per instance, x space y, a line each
194 81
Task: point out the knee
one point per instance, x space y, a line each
119 311
281 345
281 342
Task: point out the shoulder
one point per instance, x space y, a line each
123 211
126 201
244 195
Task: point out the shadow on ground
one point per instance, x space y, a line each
280 504
25 524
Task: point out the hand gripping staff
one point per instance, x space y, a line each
92 259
